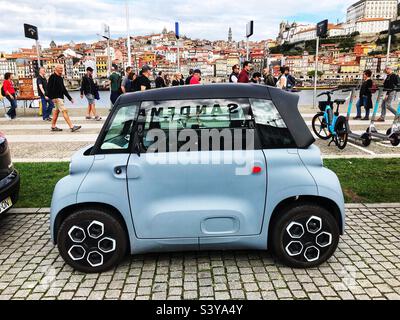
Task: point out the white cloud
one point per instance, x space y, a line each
79 20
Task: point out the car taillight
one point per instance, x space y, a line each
3 143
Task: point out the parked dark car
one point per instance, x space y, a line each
9 177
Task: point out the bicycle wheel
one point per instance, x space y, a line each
320 127
342 132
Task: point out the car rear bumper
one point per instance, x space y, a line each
9 187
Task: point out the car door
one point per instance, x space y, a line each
106 181
183 184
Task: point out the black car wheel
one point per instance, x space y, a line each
320 127
304 236
92 240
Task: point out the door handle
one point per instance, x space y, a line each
134 171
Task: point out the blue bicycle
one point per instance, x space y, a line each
329 124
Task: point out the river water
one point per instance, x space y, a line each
306 99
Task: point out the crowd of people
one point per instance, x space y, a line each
368 88
52 91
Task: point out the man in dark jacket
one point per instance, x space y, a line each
56 92
160 82
47 103
365 96
89 89
234 77
187 81
391 82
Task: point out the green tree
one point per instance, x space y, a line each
311 74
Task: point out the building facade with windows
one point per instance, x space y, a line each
371 9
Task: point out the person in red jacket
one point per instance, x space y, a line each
196 78
9 93
244 76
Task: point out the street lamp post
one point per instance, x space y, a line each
316 73
128 34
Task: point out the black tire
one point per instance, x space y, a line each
320 127
111 245
366 140
342 133
395 140
280 239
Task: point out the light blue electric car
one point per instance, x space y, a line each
213 167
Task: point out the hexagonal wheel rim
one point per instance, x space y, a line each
95 229
294 248
95 259
77 253
107 245
295 230
311 254
314 225
328 239
77 234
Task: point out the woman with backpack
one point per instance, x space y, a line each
8 91
365 99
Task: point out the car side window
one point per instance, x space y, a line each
271 128
195 118
117 135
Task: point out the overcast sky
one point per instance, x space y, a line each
81 20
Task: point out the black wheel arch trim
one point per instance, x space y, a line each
326 203
67 211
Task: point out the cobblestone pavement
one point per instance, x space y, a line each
366 266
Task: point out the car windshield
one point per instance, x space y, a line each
119 129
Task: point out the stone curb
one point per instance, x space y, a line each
29 211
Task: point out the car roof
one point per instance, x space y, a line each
285 102
210 91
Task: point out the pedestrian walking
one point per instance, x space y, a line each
256 78
291 81
187 81
391 82
365 99
125 79
56 92
90 91
115 83
282 80
143 81
130 84
269 79
8 91
160 81
47 103
167 80
244 76
177 80
196 78
234 77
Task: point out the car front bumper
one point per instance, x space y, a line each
9 187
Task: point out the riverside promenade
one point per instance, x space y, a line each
32 141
